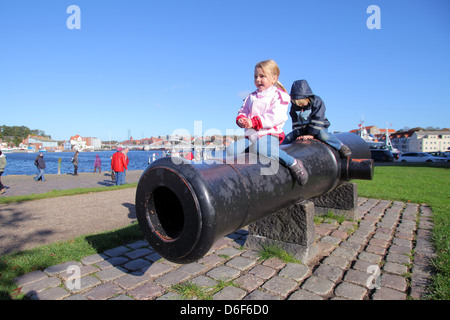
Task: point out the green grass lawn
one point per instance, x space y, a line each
416 184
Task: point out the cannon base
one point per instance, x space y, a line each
342 201
291 229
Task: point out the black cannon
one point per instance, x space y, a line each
183 207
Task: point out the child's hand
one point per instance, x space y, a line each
306 137
245 123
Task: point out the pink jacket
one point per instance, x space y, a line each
268 111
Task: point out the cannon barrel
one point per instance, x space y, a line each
183 207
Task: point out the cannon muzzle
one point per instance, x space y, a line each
183 207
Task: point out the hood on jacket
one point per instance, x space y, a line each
300 90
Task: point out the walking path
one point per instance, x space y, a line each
385 256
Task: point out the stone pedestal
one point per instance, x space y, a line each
341 201
292 229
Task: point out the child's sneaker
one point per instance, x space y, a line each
299 172
345 151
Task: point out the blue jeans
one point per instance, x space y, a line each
40 175
120 178
268 146
323 136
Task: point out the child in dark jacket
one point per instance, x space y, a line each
308 118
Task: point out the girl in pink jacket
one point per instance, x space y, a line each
263 115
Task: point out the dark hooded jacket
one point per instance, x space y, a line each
311 119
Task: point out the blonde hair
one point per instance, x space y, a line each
271 67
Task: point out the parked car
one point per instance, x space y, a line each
445 155
382 155
419 157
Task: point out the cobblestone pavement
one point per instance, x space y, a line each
384 256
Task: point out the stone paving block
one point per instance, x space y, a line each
115 252
121 297
83 271
56 293
137 264
337 262
85 283
280 286
205 282
348 254
249 282
138 244
371 257
376 250
223 273
93 259
398 258
274 263
357 277
318 285
138 253
304 295
193 269
111 274
76 297
241 263
329 272
395 268
30 277
211 260
295 271
399 249
388 294
260 295
262 272
104 291
171 278
111 262
332 240
158 269
148 291
350 291
228 252
395 282
230 293
132 280
33 287
59 268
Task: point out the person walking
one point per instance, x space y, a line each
39 162
97 164
75 163
2 169
119 165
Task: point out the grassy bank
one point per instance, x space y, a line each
416 184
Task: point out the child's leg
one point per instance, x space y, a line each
269 146
329 139
291 137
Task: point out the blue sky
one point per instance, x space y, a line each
155 67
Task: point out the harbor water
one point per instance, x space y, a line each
23 163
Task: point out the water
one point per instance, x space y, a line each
23 163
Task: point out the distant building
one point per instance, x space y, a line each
421 141
85 143
40 143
